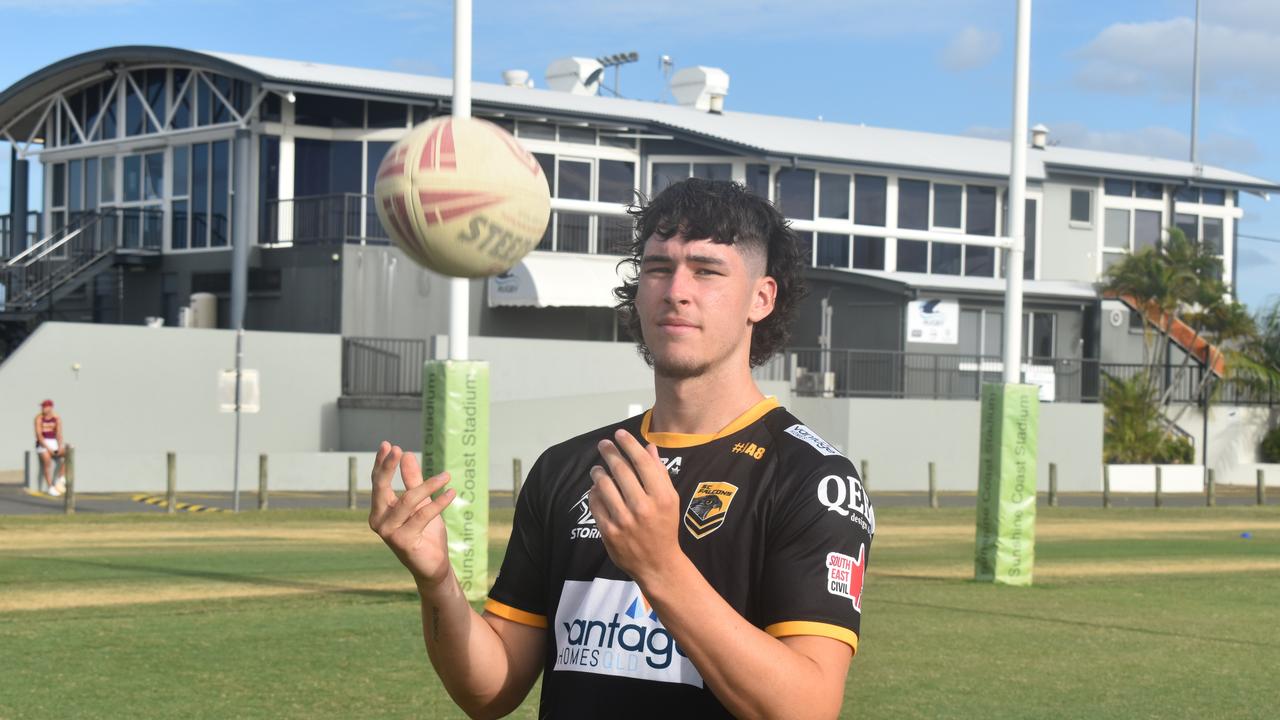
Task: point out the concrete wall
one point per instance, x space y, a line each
1235 433
151 390
898 438
1068 251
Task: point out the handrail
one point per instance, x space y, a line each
95 214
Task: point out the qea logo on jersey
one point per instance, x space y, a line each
586 523
606 627
708 508
846 497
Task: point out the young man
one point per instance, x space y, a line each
704 559
49 446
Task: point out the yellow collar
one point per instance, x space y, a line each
682 440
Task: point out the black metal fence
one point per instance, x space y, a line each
12 243
382 366
1187 384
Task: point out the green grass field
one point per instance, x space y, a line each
1135 613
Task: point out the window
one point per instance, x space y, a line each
1148 190
387 115
1189 225
615 182
1213 235
1038 334
328 111
794 196
981 210
1213 196
945 259
664 174
1082 206
946 205
1146 229
1188 194
833 196
269 189
535 130
913 214
868 252
833 250
209 199
1118 188
576 134
1116 232
181 202
713 171
913 256
548 163
108 184
132 178
325 167
869 199
758 180
1029 245
573 231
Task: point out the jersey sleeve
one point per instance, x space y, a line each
819 546
520 592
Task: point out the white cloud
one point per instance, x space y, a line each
970 49
1237 60
1232 151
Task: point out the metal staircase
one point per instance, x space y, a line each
36 279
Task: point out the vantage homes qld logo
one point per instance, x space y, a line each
608 628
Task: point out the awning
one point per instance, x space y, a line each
547 279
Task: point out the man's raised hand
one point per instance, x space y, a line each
410 524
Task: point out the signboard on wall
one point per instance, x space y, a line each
933 321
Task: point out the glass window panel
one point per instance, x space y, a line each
1118 188
132 178
1146 229
1149 190
324 167
421 114
869 193
868 252
200 195
946 259
1116 232
992 333
75 186
1042 335
505 123
616 181
328 111
387 115
573 232
794 193
535 130
1188 194
713 171
375 152
269 110
155 176
92 108
155 97
222 113
574 134
970 331
1188 224
981 211
131 221
665 174
134 120
59 185
1213 235
180 220
1082 206
182 103
946 206
1213 196
181 169
269 188
91 183
548 163
152 227
804 244
575 180
913 207
108 176
110 127
219 202
979 261
833 250
833 197
1029 232
758 180
204 105
913 256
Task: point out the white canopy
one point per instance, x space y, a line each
546 279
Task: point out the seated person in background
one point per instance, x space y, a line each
50 446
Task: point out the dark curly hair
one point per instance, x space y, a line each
729 214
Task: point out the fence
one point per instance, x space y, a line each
12 243
1185 384
382 366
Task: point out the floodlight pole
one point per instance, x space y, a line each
1195 86
1016 232
460 288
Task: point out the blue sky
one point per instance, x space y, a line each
1104 75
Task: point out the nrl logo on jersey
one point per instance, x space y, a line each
708 508
586 524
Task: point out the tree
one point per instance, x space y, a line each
1179 289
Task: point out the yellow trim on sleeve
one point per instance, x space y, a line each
805 627
683 440
507 612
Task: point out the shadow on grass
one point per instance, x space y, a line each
239 578
1077 623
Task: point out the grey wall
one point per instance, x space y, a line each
152 390
898 438
862 318
1122 345
1067 252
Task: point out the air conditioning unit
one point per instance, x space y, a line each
815 383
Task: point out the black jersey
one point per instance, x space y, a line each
774 517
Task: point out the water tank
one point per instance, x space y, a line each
204 310
700 87
570 75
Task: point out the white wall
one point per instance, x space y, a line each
147 391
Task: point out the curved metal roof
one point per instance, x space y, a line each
18 98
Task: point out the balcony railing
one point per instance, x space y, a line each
13 243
